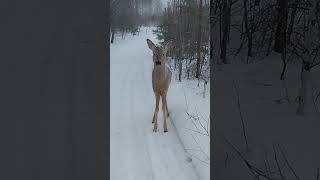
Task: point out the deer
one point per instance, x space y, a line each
161 79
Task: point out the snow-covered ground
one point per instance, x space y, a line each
190 115
278 139
136 152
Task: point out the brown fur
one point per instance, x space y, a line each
161 78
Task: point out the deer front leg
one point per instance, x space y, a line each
155 114
164 109
167 109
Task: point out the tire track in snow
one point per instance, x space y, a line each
118 150
139 129
153 138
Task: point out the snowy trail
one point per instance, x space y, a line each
136 152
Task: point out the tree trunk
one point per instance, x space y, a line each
284 61
198 72
180 40
282 26
211 31
305 99
204 89
257 2
186 70
112 36
180 68
225 29
292 17
175 63
305 91
248 31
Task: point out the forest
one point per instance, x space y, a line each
183 22
249 30
266 69
255 28
128 15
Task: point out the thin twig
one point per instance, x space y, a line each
197 119
199 159
241 117
200 148
255 171
276 159
267 164
197 132
315 102
285 158
192 120
206 130
226 160
317 96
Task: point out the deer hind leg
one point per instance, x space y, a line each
164 109
155 114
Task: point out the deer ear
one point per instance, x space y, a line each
150 44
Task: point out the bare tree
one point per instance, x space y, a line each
279 44
225 9
199 40
309 63
248 30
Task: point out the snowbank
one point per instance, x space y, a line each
190 115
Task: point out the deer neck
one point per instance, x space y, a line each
159 68
159 72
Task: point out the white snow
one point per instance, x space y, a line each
136 152
187 97
269 120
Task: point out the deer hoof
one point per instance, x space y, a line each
165 130
155 130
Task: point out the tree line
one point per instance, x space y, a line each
186 24
128 15
287 27
252 29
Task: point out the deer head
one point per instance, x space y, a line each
159 53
